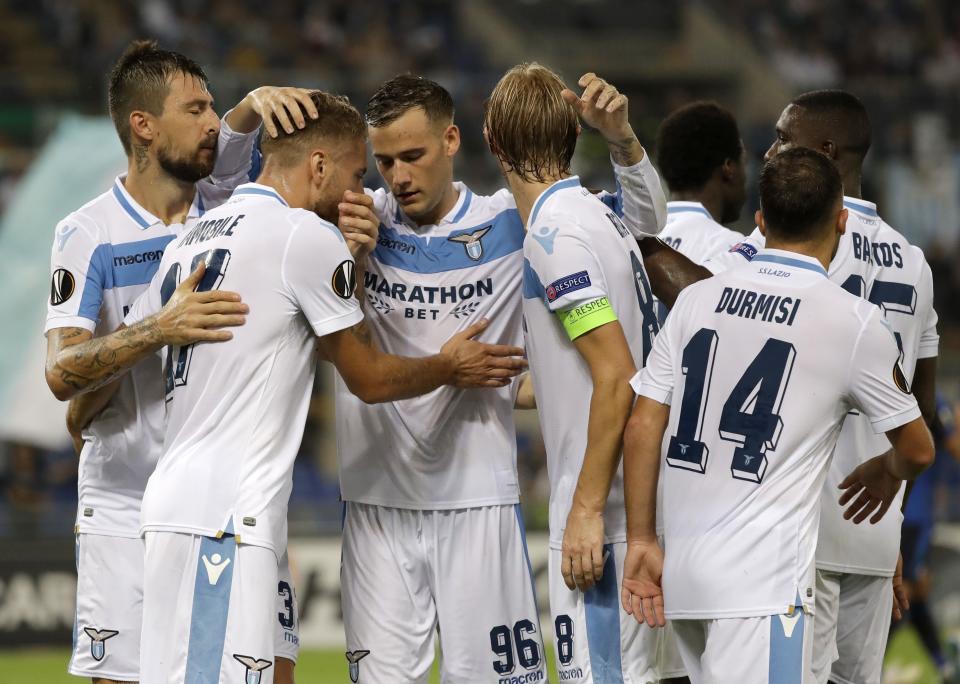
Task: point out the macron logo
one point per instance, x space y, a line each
215 566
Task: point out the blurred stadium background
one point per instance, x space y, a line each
58 149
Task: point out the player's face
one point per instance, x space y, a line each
187 131
793 131
344 169
736 194
415 157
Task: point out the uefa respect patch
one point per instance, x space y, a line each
567 284
745 249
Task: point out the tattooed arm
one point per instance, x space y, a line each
83 408
78 362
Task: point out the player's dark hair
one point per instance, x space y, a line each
140 80
843 114
799 190
693 142
337 120
405 92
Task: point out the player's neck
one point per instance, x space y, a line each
525 193
444 207
164 196
851 179
294 192
708 196
822 251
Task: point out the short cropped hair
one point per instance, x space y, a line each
799 189
337 120
140 80
530 127
405 92
693 142
843 113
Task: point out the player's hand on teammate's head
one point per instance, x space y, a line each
190 316
601 106
477 364
872 488
642 591
358 223
283 105
582 549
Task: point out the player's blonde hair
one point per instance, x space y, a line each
530 128
338 120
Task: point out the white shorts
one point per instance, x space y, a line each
405 573
851 627
773 649
106 631
596 641
209 611
287 633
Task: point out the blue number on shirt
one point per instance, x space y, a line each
686 450
888 295
286 617
528 650
750 416
217 261
503 641
563 628
502 646
647 304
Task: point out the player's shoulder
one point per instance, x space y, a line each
312 226
94 218
487 207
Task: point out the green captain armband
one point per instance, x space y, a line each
584 318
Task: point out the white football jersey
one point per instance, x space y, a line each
760 365
451 448
104 255
236 409
578 258
693 232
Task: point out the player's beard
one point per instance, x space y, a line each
327 208
191 169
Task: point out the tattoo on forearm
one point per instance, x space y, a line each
362 333
91 364
623 150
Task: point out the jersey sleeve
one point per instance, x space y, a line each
79 266
319 274
639 199
235 152
877 384
929 346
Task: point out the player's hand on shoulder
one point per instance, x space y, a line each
359 223
477 364
582 549
601 106
871 488
279 104
190 316
642 591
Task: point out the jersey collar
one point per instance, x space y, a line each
679 207
456 213
257 190
571 182
861 206
141 216
792 259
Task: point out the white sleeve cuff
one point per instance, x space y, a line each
896 420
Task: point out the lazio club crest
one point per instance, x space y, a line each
354 658
98 638
255 667
472 242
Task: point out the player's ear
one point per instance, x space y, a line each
842 222
758 217
319 166
830 149
451 140
142 127
728 170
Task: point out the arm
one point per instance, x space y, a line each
375 377
669 270
642 595
84 408
607 354
924 388
525 399
78 362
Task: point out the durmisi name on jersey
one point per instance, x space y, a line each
455 295
879 253
141 258
207 230
755 305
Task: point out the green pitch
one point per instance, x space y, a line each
906 664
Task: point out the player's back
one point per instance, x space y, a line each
761 360
579 258
236 410
692 231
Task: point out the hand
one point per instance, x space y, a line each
601 106
275 104
901 603
582 565
190 316
358 223
876 486
642 593
477 364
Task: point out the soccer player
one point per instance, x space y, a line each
749 381
589 323
433 528
103 256
215 509
873 261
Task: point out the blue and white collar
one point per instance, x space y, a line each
563 184
456 213
679 207
861 206
141 216
791 259
258 190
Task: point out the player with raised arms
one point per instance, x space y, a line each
743 399
215 509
